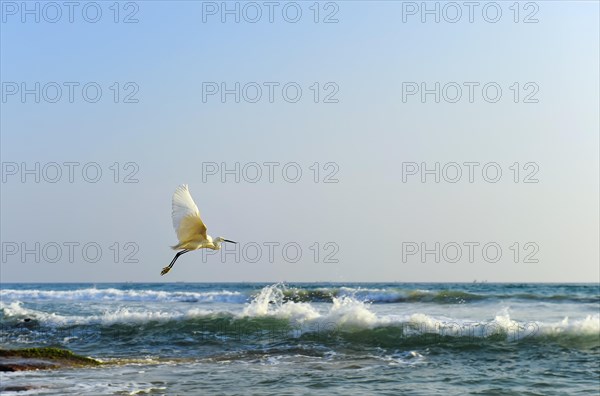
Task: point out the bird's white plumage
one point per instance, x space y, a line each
188 225
183 205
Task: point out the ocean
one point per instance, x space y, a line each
307 338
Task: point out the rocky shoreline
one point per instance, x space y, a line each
42 359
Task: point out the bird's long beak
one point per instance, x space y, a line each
227 240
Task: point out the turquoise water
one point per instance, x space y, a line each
397 338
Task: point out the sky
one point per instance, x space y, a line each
340 141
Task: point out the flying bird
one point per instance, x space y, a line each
191 231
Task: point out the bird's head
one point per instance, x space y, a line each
218 241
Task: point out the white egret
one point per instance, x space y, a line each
191 231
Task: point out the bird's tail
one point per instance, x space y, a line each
177 247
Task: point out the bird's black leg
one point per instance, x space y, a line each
168 267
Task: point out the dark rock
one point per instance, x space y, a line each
41 359
17 388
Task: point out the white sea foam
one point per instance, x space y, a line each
270 302
344 313
589 325
123 315
343 310
374 295
111 294
350 312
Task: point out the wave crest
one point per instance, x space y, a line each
112 294
269 312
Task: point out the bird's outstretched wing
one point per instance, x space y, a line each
186 216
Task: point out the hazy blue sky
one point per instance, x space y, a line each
365 132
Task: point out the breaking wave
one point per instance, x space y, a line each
272 314
111 294
289 293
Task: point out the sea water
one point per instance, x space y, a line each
311 338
